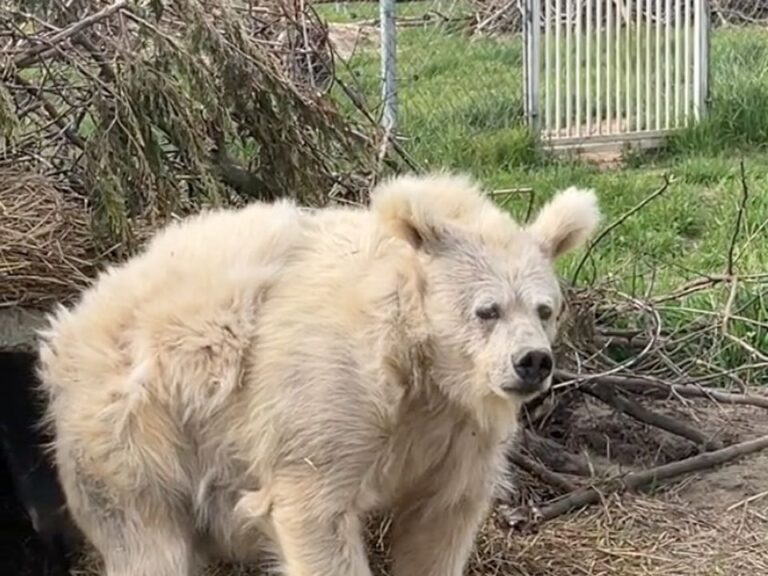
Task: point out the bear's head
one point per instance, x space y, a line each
491 296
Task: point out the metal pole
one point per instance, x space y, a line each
532 60
388 64
536 64
703 59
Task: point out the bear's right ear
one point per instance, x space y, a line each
567 221
420 209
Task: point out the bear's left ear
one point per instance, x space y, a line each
423 209
567 221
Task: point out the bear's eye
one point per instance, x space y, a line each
490 312
544 312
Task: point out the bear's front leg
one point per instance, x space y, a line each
315 539
432 540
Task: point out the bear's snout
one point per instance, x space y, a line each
533 369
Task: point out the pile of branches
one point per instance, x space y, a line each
628 354
293 33
47 249
496 17
739 12
142 110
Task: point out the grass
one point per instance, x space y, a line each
460 107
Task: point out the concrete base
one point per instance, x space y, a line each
18 328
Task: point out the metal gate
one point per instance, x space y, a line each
606 73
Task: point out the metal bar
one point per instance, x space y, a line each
548 65
657 83
705 69
526 63
687 69
388 65
569 58
677 62
667 66
534 30
638 64
627 69
588 102
608 49
652 135
599 68
618 69
578 67
698 61
648 76
558 76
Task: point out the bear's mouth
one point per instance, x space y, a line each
527 389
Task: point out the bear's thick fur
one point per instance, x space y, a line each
258 379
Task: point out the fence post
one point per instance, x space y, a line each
704 41
388 64
532 61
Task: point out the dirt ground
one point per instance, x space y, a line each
709 524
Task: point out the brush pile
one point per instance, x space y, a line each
132 112
496 17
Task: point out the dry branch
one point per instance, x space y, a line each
151 111
542 472
646 478
557 458
661 389
618 222
48 46
613 397
739 218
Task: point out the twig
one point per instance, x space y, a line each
49 46
544 473
646 478
747 346
51 111
647 385
632 360
386 140
747 501
609 395
360 106
507 194
616 223
729 303
739 217
556 457
688 288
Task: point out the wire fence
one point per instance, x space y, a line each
436 63
453 68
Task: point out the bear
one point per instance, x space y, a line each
258 380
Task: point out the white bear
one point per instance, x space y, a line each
258 380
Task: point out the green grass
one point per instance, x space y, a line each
460 107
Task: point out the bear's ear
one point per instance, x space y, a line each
566 221
423 209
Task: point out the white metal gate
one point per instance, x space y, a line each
604 73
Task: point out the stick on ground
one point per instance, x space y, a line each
542 472
659 387
646 478
557 458
614 398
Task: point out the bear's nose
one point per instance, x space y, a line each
533 368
